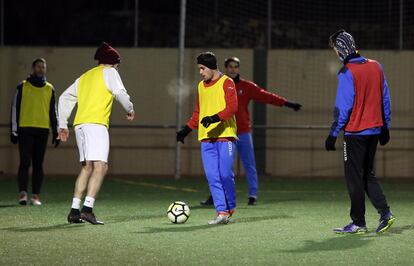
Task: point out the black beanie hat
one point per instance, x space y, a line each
207 59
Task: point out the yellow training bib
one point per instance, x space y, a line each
35 105
212 101
94 99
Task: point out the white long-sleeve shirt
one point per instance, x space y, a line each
69 97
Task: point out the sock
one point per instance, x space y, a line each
89 201
76 203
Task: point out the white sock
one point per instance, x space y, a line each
89 201
76 203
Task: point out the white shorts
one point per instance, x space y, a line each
93 142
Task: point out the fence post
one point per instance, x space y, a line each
401 26
180 82
136 22
1 22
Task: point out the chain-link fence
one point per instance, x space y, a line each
302 24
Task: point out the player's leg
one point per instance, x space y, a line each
39 150
374 190
226 161
210 159
97 151
246 153
95 182
26 141
81 185
82 180
354 156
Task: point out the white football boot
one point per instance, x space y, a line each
220 219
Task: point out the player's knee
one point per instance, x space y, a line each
87 167
24 164
101 167
227 175
252 170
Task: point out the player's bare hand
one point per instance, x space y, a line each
130 116
63 134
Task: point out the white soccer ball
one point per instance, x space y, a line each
178 212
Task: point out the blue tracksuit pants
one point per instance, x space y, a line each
246 154
218 159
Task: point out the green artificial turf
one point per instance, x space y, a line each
291 225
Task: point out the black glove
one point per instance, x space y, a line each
384 137
330 143
295 106
183 133
55 141
208 120
14 138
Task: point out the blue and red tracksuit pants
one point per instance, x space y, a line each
218 159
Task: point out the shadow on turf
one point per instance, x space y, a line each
9 206
245 206
183 228
331 244
42 228
129 218
400 229
348 241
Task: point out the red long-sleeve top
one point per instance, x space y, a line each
230 97
247 91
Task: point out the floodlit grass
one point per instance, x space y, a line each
291 225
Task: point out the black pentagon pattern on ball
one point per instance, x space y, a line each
174 205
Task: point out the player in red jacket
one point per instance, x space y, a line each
248 91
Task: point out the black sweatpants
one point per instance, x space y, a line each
359 156
32 147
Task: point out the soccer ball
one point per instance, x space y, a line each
178 212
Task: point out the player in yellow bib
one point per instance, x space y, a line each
215 120
93 92
33 113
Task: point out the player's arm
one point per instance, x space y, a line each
191 124
386 102
15 113
67 102
114 83
261 95
343 106
230 96
53 116
384 137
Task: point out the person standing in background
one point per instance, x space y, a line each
33 112
363 111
